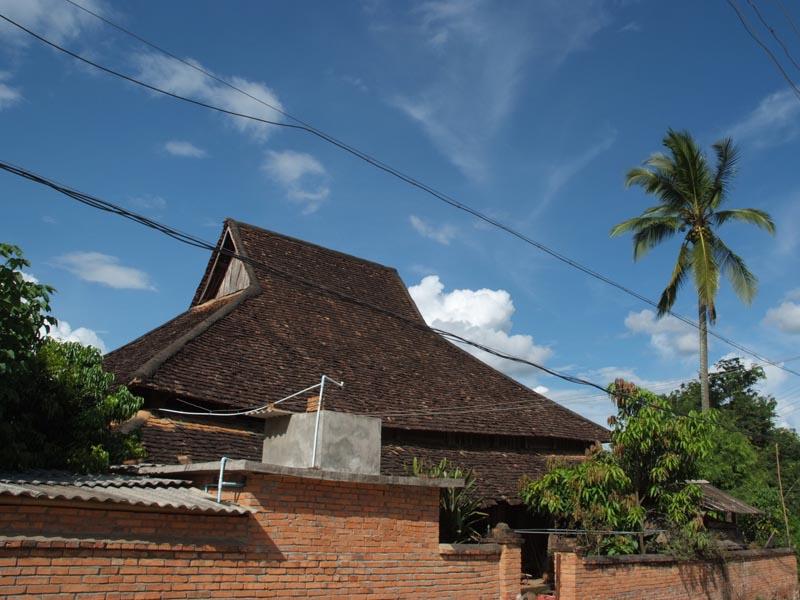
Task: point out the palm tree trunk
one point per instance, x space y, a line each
705 400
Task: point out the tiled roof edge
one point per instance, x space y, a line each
525 388
151 366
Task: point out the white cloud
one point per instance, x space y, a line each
9 96
776 120
443 234
472 57
64 332
786 316
483 316
184 149
775 376
57 21
668 335
166 73
302 175
104 269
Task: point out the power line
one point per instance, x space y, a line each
408 179
197 242
764 47
788 16
773 33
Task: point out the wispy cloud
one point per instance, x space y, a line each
775 121
631 27
484 316
560 174
473 55
9 96
184 149
104 269
356 82
169 74
443 234
149 203
668 336
303 177
57 21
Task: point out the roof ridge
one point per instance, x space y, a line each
149 367
298 240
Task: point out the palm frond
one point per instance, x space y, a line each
754 216
658 184
727 159
670 293
649 236
744 283
641 222
692 175
704 267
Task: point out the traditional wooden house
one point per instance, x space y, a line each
260 330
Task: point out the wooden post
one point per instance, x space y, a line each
783 502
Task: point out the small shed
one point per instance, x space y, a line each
726 509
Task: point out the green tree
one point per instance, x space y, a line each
58 407
641 481
742 458
690 194
733 388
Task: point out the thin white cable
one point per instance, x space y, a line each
249 411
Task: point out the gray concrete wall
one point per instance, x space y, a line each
346 443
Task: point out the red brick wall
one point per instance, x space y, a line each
742 575
307 538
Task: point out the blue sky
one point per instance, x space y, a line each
531 112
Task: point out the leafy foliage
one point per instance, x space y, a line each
23 310
58 407
641 483
742 460
459 508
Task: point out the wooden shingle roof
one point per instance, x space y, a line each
279 335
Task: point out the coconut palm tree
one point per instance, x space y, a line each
690 193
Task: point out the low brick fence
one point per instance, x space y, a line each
305 538
740 575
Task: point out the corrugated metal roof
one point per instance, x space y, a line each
715 499
151 492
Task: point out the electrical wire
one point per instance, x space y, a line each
788 16
773 33
197 242
411 181
194 241
765 48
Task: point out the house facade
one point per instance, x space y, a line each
265 327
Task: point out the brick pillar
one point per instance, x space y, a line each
566 574
510 575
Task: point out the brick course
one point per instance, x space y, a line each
306 538
741 575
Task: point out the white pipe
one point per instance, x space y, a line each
316 423
222 462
